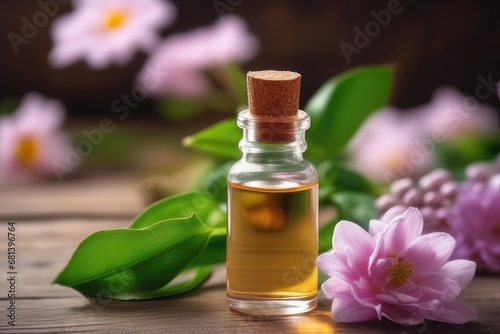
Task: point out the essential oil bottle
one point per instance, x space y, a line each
272 205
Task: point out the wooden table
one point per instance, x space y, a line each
52 218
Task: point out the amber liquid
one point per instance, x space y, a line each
272 241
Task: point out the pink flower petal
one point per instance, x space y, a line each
36 118
406 293
185 56
454 313
326 263
402 230
492 261
462 271
436 285
37 114
376 226
430 252
393 213
351 311
335 287
352 238
364 293
378 271
81 34
402 315
474 222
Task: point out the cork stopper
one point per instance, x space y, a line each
273 93
274 96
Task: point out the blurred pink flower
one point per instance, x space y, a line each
108 31
30 140
184 56
475 223
395 272
389 146
392 144
452 114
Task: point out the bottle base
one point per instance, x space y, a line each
272 306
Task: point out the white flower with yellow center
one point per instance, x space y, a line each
103 32
30 140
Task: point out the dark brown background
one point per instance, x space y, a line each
433 43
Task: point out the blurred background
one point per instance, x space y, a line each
109 105
433 45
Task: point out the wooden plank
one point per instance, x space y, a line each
100 196
206 312
43 249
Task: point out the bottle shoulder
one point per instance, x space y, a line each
295 174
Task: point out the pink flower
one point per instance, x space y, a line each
389 146
103 32
185 56
395 272
451 114
30 140
392 144
475 223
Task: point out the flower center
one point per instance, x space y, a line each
401 271
27 150
114 19
393 161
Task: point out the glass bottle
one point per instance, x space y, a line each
272 240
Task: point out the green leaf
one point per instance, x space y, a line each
179 109
334 177
353 206
341 105
356 207
177 206
238 85
322 278
215 252
325 235
456 154
187 280
220 140
114 150
206 208
9 105
214 182
125 263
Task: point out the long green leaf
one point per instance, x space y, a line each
123 263
220 140
177 206
215 252
205 207
187 280
341 105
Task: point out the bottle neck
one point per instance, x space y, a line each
271 140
